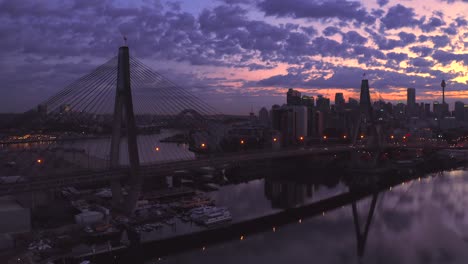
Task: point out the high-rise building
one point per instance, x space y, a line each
263 116
319 125
365 102
411 101
411 96
465 113
352 102
427 109
300 121
459 110
275 115
308 101
293 97
339 101
291 121
437 109
323 104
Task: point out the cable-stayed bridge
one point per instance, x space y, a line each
122 121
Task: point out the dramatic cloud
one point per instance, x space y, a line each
400 16
340 9
228 49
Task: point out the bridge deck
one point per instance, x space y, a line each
162 169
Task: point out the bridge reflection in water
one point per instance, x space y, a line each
328 219
289 194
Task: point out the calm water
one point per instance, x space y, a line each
422 221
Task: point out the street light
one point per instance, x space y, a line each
301 138
345 137
275 139
362 136
242 142
324 137
39 161
157 148
203 145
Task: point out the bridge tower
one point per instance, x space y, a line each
365 123
124 119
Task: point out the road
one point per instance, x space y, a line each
162 169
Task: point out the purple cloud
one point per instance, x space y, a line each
399 16
340 9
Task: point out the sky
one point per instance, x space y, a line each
240 54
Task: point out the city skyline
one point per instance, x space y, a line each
239 54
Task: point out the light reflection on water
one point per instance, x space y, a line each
419 222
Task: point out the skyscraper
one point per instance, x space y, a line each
308 101
339 100
352 102
459 110
411 101
323 104
364 102
293 97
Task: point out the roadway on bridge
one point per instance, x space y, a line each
167 168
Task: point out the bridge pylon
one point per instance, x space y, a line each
124 118
366 127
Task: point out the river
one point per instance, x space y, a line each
418 221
